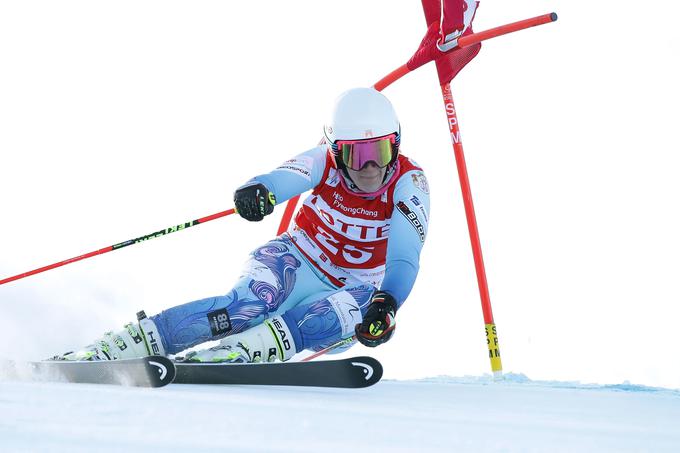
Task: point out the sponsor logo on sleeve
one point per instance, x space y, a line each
420 181
420 206
412 217
422 211
300 165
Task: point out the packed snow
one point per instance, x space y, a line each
120 121
438 414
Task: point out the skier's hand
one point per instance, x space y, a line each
378 323
254 202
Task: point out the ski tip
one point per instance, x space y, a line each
370 368
160 370
553 17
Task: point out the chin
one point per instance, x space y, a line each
366 182
369 189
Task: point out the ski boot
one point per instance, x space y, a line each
135 340
267 342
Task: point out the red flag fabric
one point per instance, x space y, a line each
456 17
449 66
427 51
447 20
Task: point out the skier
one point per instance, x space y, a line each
343 268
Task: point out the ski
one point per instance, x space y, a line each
157 371
153 371
354 372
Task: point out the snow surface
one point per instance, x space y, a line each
436 414
108 135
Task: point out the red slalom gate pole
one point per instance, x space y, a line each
172 229
489 325
288 215
402 70
392 77
475 38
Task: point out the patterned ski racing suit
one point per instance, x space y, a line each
320 274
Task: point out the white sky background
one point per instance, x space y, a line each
117 120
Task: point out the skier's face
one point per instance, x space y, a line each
368 179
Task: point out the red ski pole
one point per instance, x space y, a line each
172 229
342 342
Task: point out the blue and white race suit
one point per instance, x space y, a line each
320 275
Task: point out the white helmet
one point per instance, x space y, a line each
359 114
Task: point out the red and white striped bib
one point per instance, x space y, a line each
343 234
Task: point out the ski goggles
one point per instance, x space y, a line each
355 154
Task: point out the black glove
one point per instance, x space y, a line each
378 323
254 202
